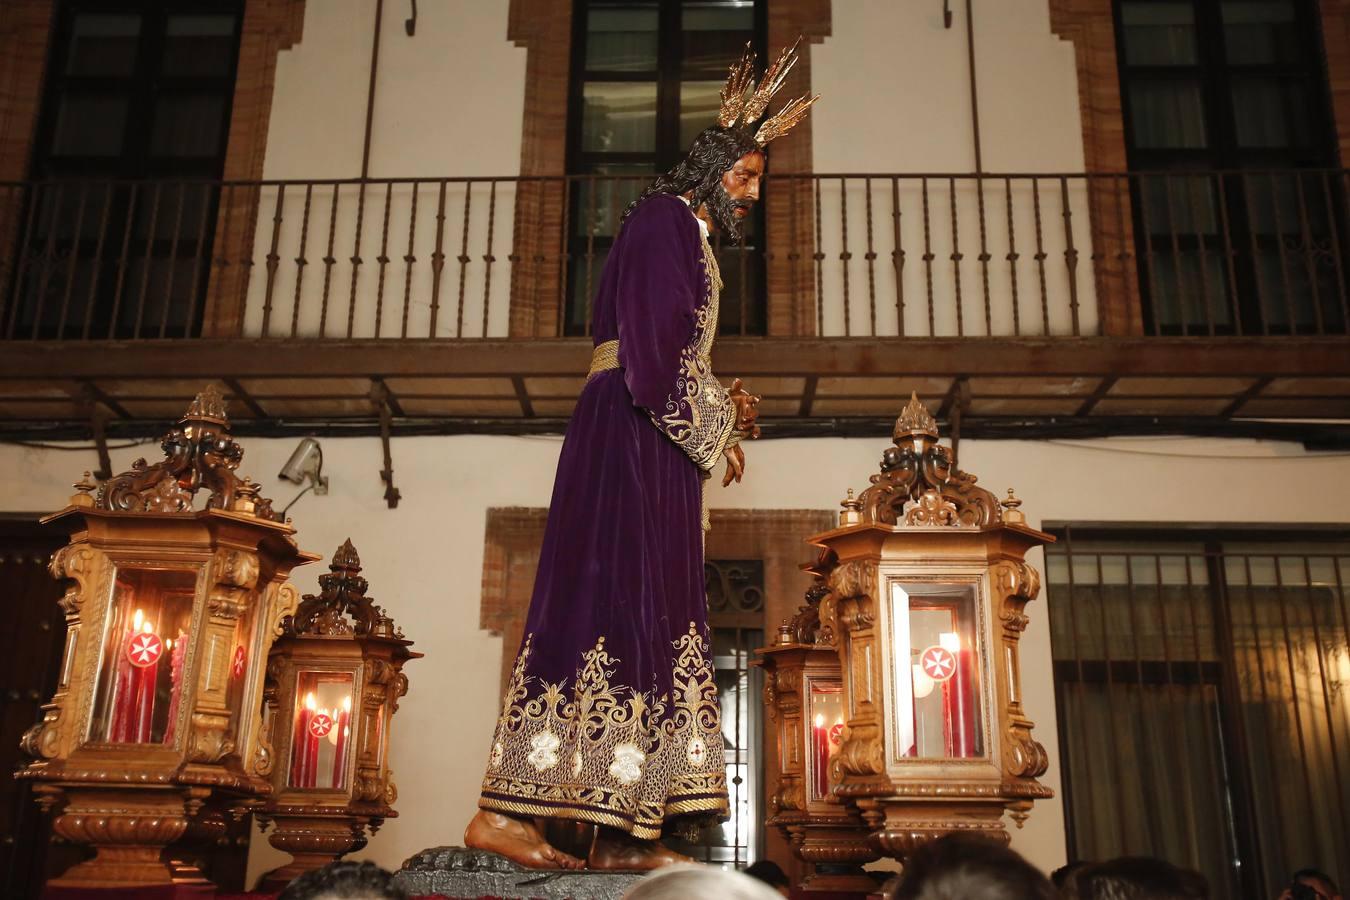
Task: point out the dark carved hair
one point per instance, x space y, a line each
713 152
970 867
345 879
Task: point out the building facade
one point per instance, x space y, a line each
1104 240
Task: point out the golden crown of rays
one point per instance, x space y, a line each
743 102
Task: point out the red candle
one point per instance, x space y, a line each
820 756
300 740
965 685
177 652
146 649
119 729
958 706
312 750
339 762
138 668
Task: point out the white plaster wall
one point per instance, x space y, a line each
449 103
895 98
424 560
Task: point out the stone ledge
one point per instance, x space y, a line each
457 872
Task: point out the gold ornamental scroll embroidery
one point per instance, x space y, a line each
706 430
599 752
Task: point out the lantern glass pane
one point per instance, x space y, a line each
825 730
240 653
321 733
937 711
141 676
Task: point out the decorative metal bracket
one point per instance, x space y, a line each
379 398
89 408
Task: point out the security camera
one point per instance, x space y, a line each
306 462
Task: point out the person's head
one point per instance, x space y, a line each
699 883
1137 878
771 874
1062 876
345 881
721 173
970 867
1311 884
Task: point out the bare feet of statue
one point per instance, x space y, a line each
516 839
614 849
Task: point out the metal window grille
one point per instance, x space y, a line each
736 616
1204 717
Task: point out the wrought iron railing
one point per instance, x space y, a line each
905 255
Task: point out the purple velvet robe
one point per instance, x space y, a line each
611 715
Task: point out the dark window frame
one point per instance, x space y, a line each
746 314
155 213
1207 541
1233 194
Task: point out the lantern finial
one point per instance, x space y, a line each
915 419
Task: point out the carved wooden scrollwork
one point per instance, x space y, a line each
342 594
1018 583
916 465
72 564
862 753
1028 756
198 453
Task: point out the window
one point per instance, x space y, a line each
131 142
1245 232
1202 680
646 75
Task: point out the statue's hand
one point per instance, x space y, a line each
747 412
735 465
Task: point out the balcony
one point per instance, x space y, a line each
1016 303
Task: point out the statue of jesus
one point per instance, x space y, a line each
611 716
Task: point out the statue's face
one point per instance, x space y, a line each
741 182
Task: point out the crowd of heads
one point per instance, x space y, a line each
955 867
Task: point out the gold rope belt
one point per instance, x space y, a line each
603 358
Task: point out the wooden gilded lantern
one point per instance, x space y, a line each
925 608
333 684
803 695
154 734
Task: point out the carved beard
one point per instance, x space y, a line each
722 209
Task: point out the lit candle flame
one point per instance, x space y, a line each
347 703
820 720
136 620
310 703
148 628
950 641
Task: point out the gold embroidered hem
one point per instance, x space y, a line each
604 753
715 808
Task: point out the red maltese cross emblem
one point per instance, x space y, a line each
320 725
938 663
837 733
237 667
144 649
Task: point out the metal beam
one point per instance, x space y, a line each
872 357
